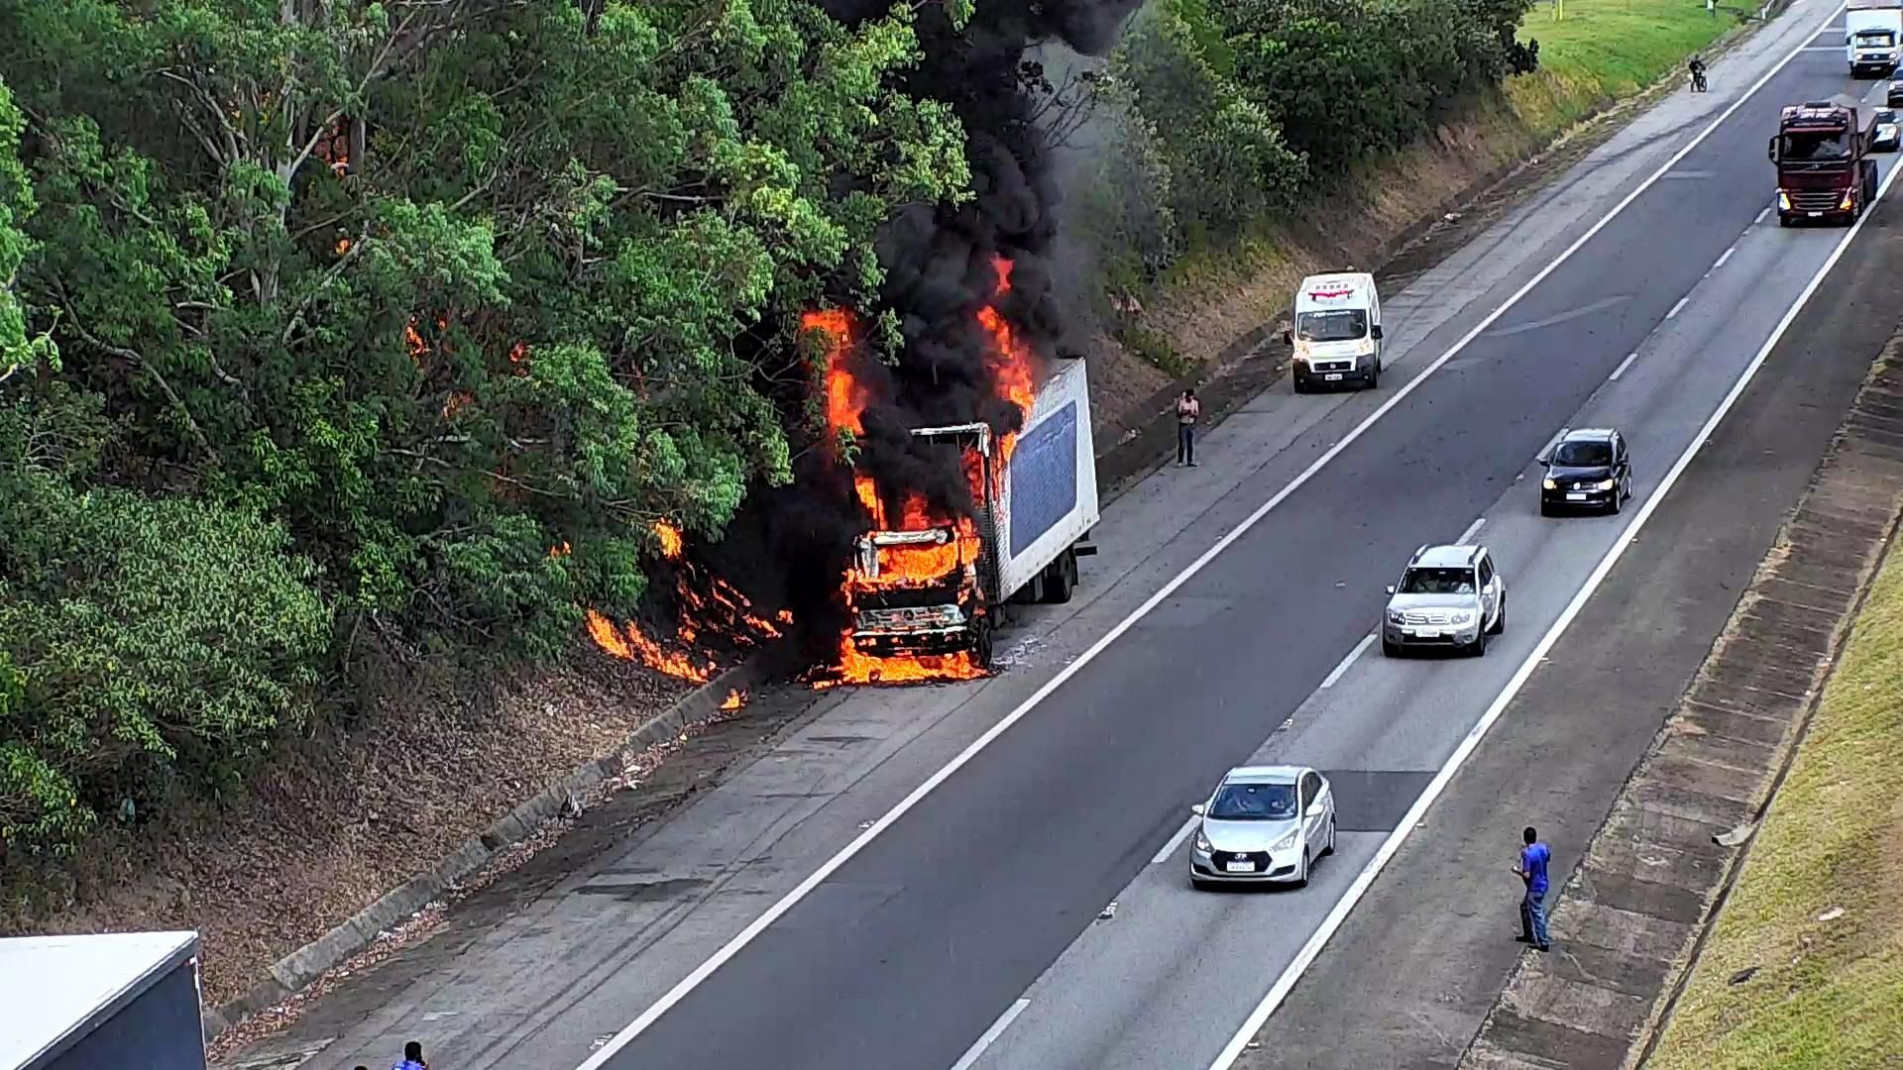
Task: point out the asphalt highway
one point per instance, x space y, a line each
953 912
984 897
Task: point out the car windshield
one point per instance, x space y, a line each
1344 325
1583 454
1253 802
1823 145
1438 581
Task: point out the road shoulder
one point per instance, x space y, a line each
1632 917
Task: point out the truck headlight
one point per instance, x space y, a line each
1783 201
1844 204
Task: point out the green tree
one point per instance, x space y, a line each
444 284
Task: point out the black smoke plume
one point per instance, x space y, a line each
941 270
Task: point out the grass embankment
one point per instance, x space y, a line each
1818 905
1604 50
1599 53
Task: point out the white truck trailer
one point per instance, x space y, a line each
124 1001
1032 524
1873 33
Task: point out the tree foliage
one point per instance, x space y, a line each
403 319
1256 103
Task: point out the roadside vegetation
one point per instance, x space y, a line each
1804 964
340 352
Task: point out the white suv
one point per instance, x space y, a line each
1449 596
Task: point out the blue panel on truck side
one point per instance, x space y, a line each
158 1029
1043 477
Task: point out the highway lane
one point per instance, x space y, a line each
913 947
539 970
1166 982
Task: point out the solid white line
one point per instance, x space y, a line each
872 832
1766 210
1283 984
1177 840
1623 365
997 1029
1335 676
1722 259
1466 537
1676 309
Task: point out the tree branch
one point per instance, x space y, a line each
135 357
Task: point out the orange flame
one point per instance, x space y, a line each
343 246
559 551
736 698
846 397
670 536
629 643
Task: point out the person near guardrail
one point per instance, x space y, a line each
1188 409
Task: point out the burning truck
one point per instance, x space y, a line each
929 587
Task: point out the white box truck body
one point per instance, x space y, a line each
1031 526
97 1001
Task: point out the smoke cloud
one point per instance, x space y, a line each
941 271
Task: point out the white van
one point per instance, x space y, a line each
1337 332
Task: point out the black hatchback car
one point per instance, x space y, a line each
1588 468
1893 93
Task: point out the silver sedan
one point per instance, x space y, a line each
1263 824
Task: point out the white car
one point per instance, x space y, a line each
1264 824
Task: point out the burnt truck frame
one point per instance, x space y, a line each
1836 188
1032 529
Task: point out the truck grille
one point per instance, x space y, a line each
1334 365
1815 200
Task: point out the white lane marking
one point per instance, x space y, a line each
1564 317
1680 307
1340 670
1722 259
1418 811
1766 210
1466 537
1623 365
872 832
1177 840
997 1029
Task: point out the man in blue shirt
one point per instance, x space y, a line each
1532 871
412 1058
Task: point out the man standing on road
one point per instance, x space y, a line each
412 1057
1187 410
1532 871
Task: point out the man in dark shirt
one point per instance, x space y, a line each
1532 871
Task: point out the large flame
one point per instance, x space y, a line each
708 605
1014 373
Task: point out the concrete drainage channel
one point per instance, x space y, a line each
1629 923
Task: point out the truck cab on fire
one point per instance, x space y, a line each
1824 167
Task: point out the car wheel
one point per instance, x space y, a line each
1374 376
1390 649
1300 386
1301 879
1478 649
1330 848
1500 622
1545 509
1618 503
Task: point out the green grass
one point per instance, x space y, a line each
1604 50
1828 995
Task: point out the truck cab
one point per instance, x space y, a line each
1824 168
1873 33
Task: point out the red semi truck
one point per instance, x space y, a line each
1824 167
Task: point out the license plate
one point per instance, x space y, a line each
1427 633
1575 497
1331 377
1240 867
1816 215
